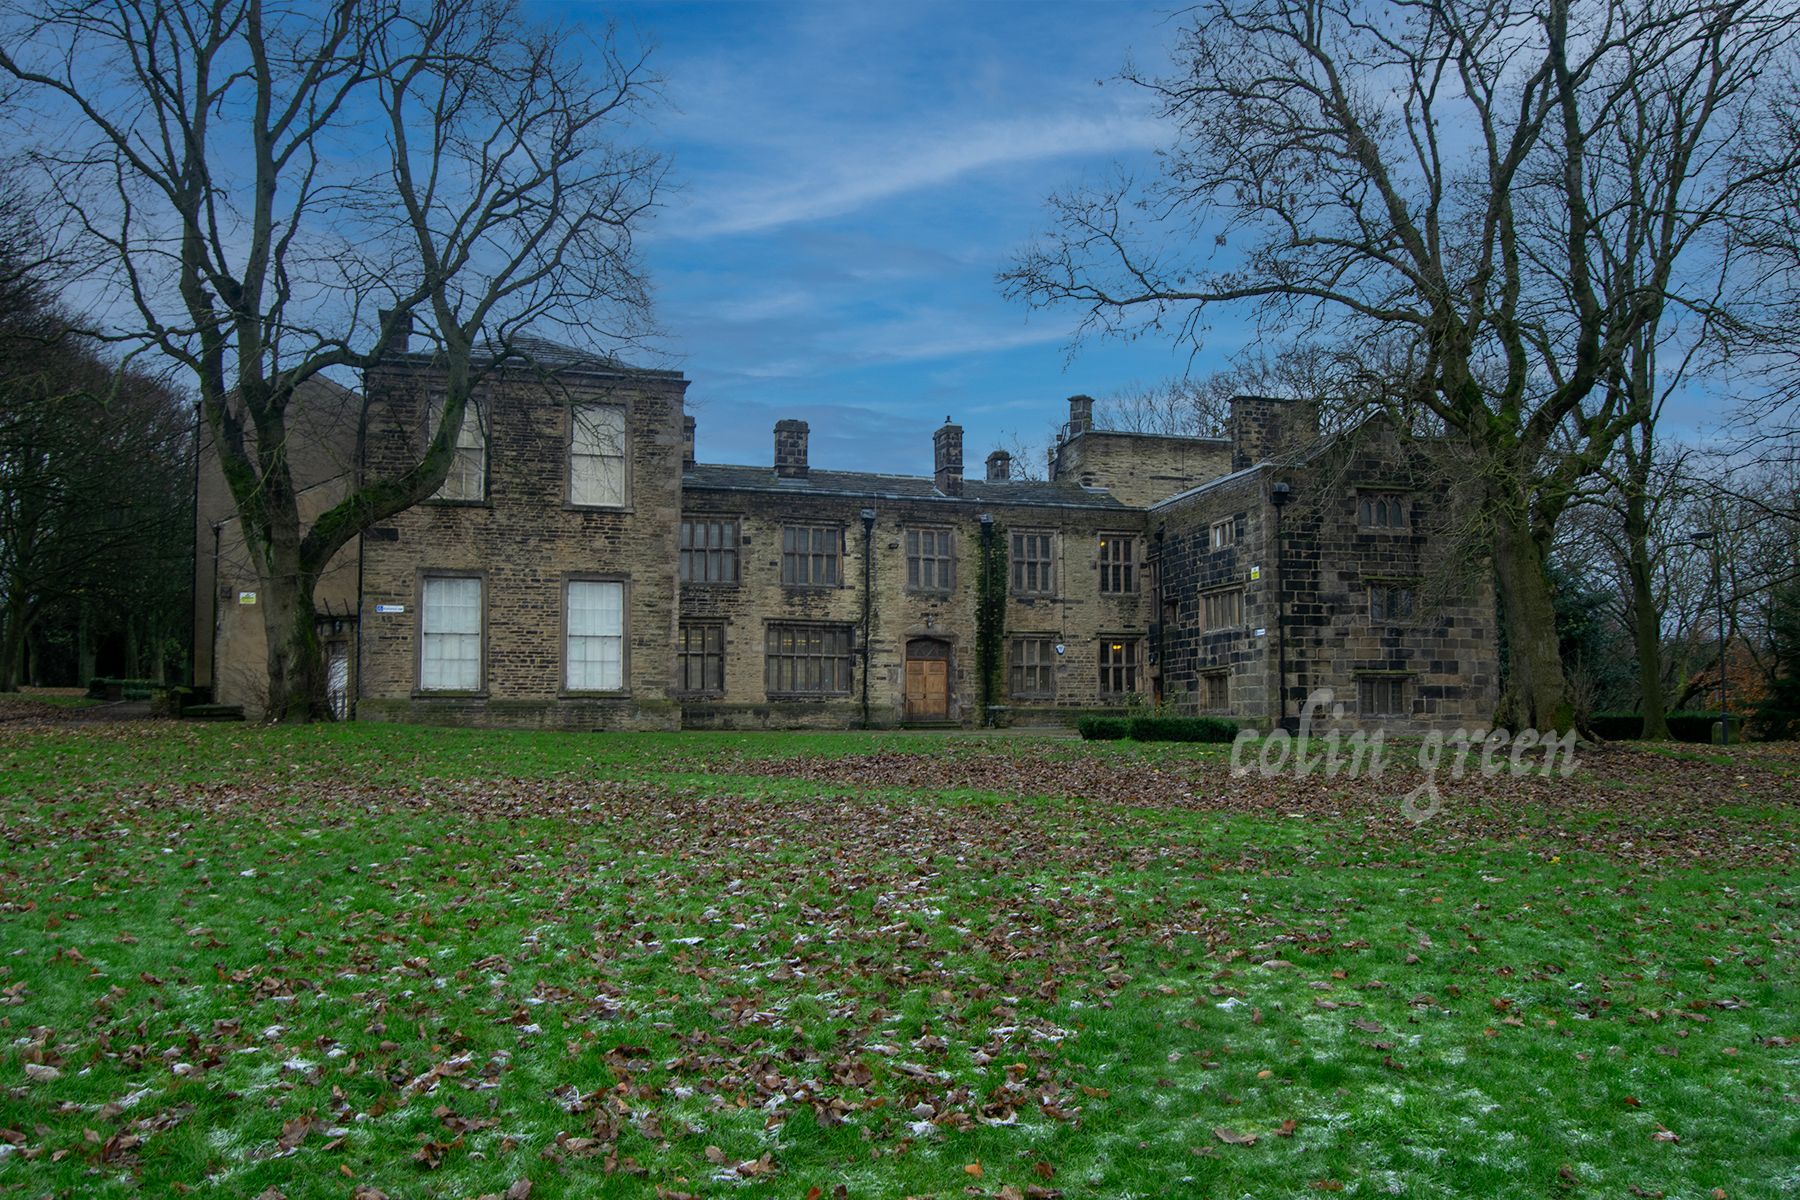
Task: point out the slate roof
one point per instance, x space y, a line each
870 486
542 354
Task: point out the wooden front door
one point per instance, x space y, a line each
927 681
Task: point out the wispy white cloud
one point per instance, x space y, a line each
843 180
943 335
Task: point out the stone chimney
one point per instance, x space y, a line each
946 446
402 336
999 465
790 449
1081 415
687 441
1264 427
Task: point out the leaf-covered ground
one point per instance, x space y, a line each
372 960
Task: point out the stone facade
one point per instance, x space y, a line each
1345 573
710 595
526 538
891 609
230 645
1138 468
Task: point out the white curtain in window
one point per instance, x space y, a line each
596 650
597 456
467 479
450 660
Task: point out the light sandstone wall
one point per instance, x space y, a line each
1078 614
525 540
230 646
1140 468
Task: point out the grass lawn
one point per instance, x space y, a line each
376 960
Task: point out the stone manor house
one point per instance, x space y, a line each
580 569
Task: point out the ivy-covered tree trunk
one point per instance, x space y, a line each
296 660
508 193
1536 695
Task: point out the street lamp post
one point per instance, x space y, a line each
1710 540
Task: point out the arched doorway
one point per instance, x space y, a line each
927 680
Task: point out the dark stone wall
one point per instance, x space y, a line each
1324 565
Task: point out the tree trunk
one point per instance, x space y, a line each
159 659
1537 695
296 659
12 646
1646 620
134 665
84 646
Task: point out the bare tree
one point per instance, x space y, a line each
280 189
1450 181
1179 407
93 479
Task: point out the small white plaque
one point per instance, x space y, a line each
390 608
1261 632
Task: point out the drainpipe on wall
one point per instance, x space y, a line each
1279 495
353 685
193 575
984 650
1160 617
212 611
868 523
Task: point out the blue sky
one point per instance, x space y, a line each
848 179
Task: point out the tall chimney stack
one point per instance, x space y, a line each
1081 415
1266 427
790 449
687 441
999 467
946 447
402 336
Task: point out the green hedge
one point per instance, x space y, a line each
213 712
1157 729
1697 726
1103 729
1683 726
1183 729
131 689
1617 726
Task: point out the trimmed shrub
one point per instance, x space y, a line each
102 687
1183 729
213 712
1103 729
1697 726
168 702
1683 726
1616 726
